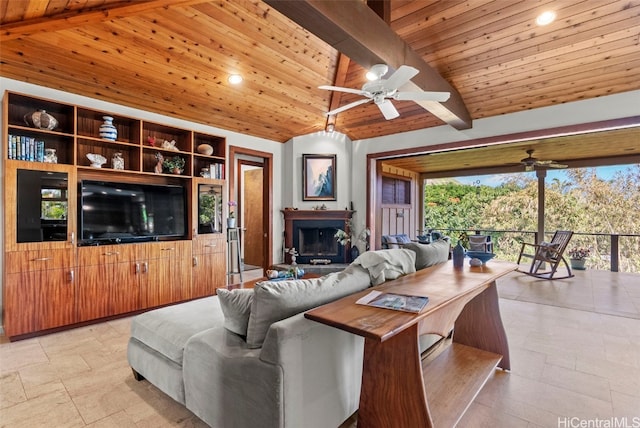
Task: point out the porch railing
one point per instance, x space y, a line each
621 252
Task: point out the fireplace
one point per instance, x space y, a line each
315 240
311 233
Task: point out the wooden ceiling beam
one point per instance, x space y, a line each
68 20
354 29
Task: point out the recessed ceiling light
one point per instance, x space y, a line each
234 79
546 18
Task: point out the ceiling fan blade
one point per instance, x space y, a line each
401 76
557 165
341 89
388 110
422 96
347 106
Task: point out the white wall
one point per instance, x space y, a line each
593 110
233 138
318 143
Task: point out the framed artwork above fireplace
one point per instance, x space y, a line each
318 177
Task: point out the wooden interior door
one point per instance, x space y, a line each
239 156
252 209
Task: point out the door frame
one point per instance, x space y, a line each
267 207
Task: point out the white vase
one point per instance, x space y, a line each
231 223
107 130
117 162
50 156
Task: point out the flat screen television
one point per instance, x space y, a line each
112 213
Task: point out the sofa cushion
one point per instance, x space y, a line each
168 329
384 265
275 301
429 254
236 307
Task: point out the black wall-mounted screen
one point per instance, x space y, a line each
113 212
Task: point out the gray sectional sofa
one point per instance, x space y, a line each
249 358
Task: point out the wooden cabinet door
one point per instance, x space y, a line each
209 273
39 300
208 265
107 281
107 289
166 275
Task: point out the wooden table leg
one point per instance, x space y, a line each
393 392
480 326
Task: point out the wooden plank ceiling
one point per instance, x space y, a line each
174 57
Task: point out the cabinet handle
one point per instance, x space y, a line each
111 253
211 245
195 261
145 267
73 238
41 259
137 267
168 249
72 275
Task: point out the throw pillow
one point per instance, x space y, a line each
429 254
403 239
236 308
548 250
275 301
389 242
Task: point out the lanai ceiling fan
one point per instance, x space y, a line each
530 163
382 91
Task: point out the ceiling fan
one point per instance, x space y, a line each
530 163
382 91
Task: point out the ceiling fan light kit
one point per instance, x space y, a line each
382 91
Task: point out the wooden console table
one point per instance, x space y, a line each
398 389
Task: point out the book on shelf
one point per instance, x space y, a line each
395 301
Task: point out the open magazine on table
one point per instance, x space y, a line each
398 302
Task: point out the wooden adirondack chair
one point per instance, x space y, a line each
547 252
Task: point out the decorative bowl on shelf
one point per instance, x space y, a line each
96 160
480 255
41 119
205 149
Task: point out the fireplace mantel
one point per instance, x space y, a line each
297 217
317 214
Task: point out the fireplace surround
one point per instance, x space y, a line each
311 233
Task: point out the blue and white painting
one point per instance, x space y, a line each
319 180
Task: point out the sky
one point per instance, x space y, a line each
603 172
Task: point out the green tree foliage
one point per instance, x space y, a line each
592 207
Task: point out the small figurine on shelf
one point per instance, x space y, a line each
170 145
159 161
117 161
151 140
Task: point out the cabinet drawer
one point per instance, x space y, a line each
35 260
208 245
169 249
88 256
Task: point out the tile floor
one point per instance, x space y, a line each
575 352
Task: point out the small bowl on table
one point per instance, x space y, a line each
483 256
